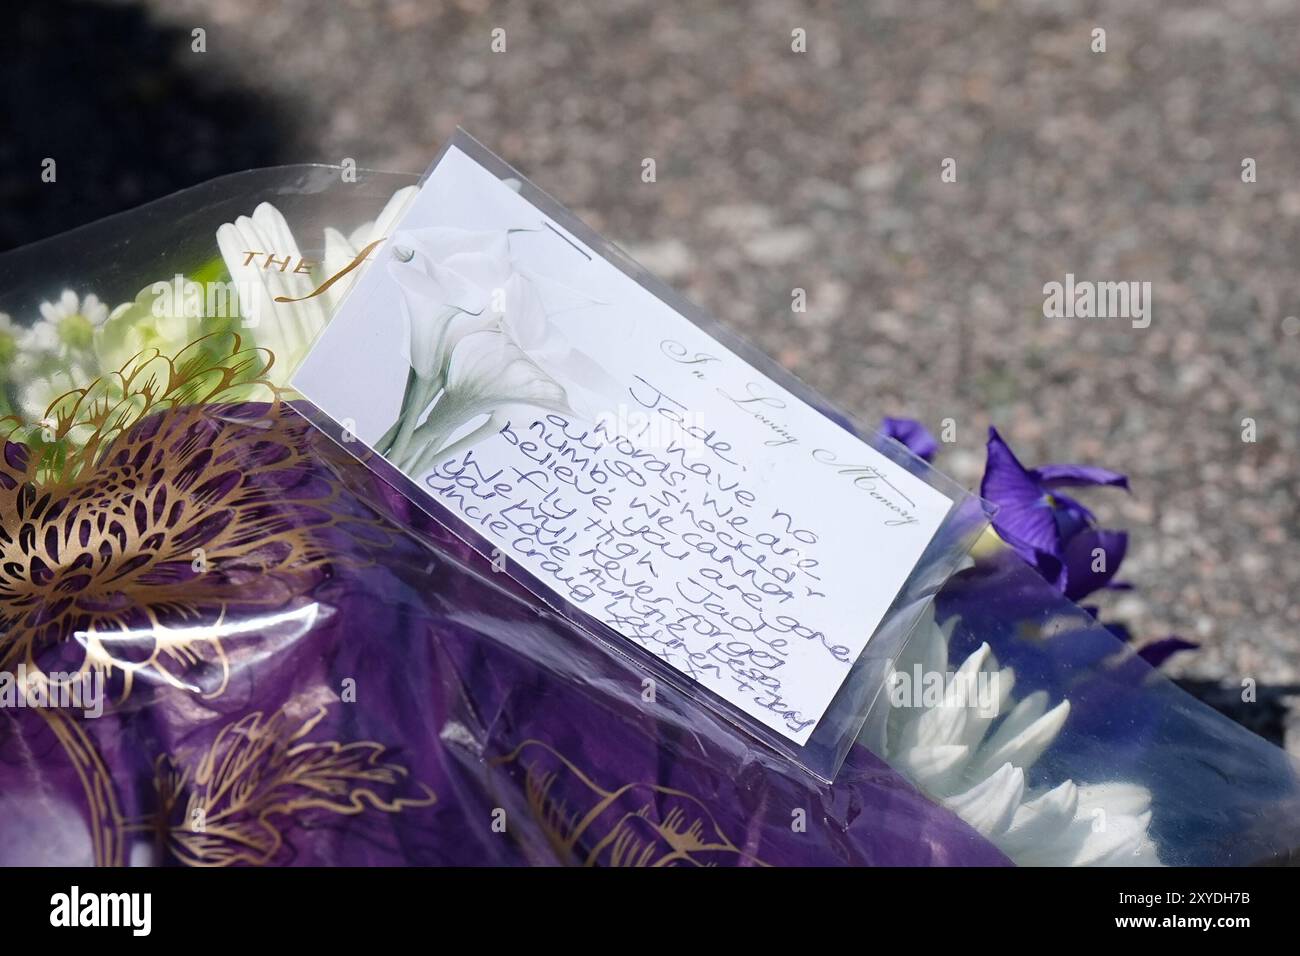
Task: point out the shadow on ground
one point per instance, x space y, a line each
1266 713
126 108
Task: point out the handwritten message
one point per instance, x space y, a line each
669 546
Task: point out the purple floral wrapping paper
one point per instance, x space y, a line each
303 670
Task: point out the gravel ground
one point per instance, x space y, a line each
821 170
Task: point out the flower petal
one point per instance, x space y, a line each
1024 518
1115 840
390 215
1079 476
1038 823
1087 550
990 805
915 436
934 768
1024 735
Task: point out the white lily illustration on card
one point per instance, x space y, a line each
487 376
478 340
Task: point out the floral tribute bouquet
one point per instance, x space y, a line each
225 640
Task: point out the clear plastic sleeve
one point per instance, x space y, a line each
823 753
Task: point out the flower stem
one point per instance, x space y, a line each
432 454
423 393
385 443
442 421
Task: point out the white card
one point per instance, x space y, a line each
632 464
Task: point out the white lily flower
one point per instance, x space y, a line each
452 284
433 329
971 750
464 268
456 282
489 371
525 318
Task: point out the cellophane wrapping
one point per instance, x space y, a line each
302 667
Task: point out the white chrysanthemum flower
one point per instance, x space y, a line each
67 327
341 250
968 744
288 329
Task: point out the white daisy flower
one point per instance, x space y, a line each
67 327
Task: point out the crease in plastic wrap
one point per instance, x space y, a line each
300 667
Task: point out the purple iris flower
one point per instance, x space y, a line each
1037 520
1058 535
913 434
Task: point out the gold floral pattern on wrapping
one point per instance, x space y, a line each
77 426
132 542
636 824
132 516
261 775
